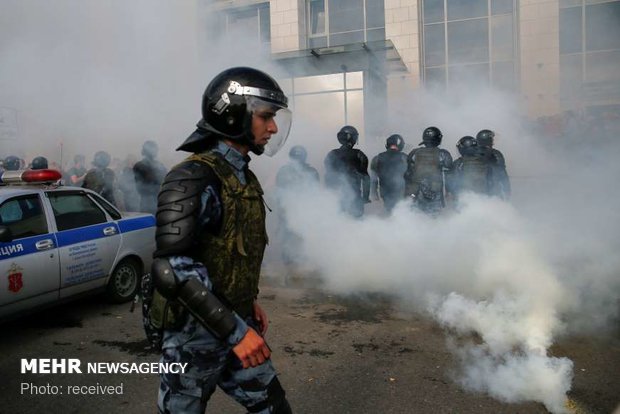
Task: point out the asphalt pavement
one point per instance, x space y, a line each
334 355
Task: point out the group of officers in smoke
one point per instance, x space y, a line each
428 175
134 188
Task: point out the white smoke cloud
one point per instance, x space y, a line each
517 276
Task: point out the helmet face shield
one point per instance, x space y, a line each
270 112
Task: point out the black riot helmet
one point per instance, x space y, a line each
11 163
348 136
101 159
431 137
39 163
395 141
485 138
228 104
467 145
149 149
298 153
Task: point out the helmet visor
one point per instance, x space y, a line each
272 112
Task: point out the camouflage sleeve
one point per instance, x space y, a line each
185 268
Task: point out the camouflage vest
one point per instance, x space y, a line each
233 257
476 174
426 168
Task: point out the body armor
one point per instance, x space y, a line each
425 165
476 174
234 254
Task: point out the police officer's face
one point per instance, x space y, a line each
263 125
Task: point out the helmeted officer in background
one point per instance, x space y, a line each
387 172
77 173
127 184
346 171
295 176
149 174
501 181
473 170
297 172
425 176
11 163
210 238
101 179
38 163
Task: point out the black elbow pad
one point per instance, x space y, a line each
164 279
206 308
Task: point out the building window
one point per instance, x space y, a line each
469 42
250 23
589 51
340 97
340 22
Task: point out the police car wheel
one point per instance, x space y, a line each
124 281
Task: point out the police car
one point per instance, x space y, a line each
60 242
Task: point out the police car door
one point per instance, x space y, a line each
29 261
85 248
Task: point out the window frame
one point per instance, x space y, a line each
264 41
583 53
43 214
58 194
491 61
327 34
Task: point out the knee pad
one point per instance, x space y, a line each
276 400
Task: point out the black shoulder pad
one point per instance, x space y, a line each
178 206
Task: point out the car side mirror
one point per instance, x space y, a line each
6 235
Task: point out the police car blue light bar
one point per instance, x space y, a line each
30 176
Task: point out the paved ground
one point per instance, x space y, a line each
335 355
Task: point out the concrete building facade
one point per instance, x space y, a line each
554 55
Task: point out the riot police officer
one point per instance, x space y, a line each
77 173
501 181
425 176
297 173
295 176
346 171
388 172
101 179
149 174
473 170
39 163
11 163
211 237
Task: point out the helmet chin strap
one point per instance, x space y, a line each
248 139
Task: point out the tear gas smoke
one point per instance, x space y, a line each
505 279
516 276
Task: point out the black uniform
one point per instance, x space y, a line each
388 177
149 174
101 181
346 171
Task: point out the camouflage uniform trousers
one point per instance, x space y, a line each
211 363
